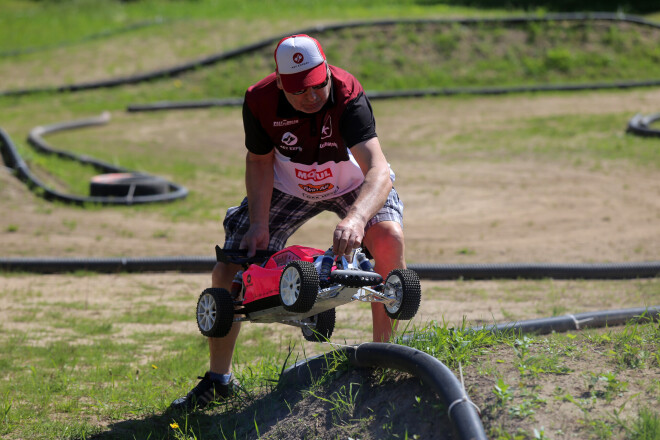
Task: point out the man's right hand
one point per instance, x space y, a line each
257 237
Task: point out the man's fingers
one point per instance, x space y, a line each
345 241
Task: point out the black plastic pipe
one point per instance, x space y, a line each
200 264
91 37
559 271
578 321
215 58
13 160
419 93
434 374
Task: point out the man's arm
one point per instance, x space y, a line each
259 175
377 185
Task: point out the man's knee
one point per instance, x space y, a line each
384 235
223 274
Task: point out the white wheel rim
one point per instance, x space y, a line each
206 312
290 286
394 290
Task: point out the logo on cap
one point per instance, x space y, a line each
298 58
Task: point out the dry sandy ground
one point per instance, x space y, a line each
457 211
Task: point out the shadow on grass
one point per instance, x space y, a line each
244 416
362 403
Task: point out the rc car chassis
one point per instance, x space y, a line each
291 287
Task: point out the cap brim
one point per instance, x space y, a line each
296 82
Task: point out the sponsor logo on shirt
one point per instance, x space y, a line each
292 148
285 123
289 138
326 131
315 189
329 144
315 175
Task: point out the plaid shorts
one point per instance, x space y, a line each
288 213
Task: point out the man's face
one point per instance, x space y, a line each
311 99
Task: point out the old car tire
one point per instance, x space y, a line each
299 286
404 285
324 323
127 185
215 312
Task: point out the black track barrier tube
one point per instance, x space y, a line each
559 271
96 36
421 93
13 160
215 58
462 413
578 321
200 264
45 265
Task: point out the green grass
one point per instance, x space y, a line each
83 369
396 57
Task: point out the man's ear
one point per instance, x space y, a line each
278 80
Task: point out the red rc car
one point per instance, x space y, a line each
301 286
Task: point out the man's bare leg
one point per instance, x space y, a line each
386 244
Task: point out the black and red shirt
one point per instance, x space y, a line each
313 160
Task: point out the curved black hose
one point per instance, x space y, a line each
641 125
94 36
215 58
578 321
14 161
201 264
434 374
559 271
419 93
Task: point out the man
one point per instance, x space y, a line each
312 147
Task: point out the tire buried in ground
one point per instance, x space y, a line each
127 185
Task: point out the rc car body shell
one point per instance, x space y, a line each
261 282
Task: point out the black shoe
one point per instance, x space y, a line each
205 392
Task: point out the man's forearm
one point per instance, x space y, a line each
259 177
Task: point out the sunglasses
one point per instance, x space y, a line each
317 87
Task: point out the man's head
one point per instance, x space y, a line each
302 72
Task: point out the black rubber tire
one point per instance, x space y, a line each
408 290
325 325
125 184
300 281
215 312
355 278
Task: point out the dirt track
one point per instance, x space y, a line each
459 208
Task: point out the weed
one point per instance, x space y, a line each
502 392
647 425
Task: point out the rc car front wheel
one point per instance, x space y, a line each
299 286
321 326
215 312
403 286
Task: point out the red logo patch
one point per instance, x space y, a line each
316 175
298 58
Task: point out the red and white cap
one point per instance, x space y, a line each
300 61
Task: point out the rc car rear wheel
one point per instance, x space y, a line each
403 285
215 312
299 286
323 325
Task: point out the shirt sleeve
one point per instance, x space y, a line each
357 124
257 140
